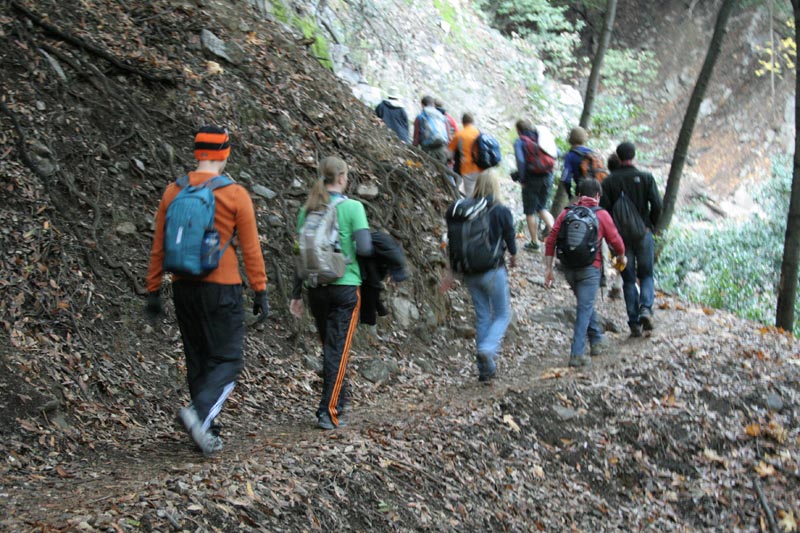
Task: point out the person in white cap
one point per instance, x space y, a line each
393 114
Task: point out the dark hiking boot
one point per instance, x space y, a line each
484 360
646 318
486 379
381 308
636 330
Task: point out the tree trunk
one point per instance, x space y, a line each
597 64
685 135
787 288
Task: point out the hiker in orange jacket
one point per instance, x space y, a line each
210 309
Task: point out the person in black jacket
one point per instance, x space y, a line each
640 187
394 115
488 288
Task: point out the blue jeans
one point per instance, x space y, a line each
640 265
490 297
585 282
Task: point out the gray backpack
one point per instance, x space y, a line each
321 260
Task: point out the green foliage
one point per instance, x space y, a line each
308 26
280 11
624 76
628 71
737 264
447 12
320 47
541 23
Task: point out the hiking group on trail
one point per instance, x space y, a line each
204 217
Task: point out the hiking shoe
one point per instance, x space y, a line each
578 360
487 378
207 441
484 361
615 293
599 347
324 422
636 330
531 246
544 232
210 443
189 418
646 318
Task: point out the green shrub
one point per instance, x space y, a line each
624 76
740 261
539 22
320 48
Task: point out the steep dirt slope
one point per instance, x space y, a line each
99 105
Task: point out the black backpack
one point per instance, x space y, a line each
470 247
628 220
577 242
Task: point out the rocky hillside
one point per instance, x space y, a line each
447 49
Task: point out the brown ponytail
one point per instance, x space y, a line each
330 168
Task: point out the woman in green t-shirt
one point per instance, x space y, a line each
335 305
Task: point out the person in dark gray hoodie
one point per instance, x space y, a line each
394 115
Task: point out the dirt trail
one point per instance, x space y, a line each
104 478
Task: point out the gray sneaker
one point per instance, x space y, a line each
599 347
324 422
207 441
578 360
189 418
636 330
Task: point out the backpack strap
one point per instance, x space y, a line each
216 182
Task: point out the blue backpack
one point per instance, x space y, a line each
191 244
434 129
486 151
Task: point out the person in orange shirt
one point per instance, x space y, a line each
460 149
210 308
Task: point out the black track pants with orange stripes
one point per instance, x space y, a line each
335 309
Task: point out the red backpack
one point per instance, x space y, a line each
537 161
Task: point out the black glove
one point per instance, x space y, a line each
153 308
261 306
